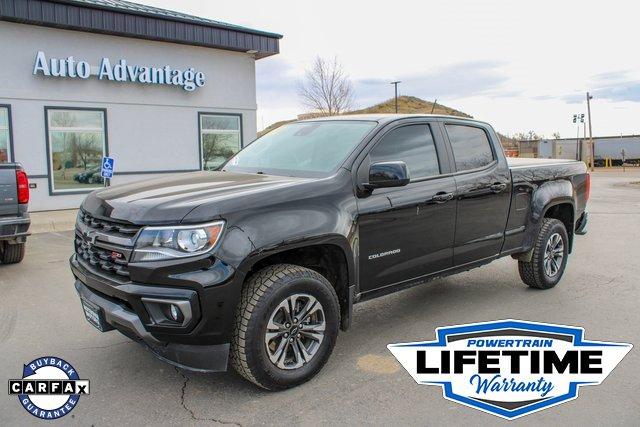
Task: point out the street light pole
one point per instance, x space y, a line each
395 84
577 119
589 98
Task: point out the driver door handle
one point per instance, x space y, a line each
498 187
442 197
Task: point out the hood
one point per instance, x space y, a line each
169 199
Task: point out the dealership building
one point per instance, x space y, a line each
159 91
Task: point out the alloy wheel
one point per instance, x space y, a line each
295 331
553 255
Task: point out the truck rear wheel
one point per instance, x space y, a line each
12 253
550 252
285 328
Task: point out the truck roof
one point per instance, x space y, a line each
386 118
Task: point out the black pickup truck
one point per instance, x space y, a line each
14 215
261 262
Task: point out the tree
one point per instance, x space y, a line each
87 150
213 146
528 136
556 135
326 88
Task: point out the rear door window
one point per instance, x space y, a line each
471 147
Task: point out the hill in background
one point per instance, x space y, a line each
410 105
406 105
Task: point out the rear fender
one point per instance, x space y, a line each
545 197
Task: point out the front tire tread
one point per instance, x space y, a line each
253 294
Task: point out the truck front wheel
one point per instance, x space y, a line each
12 253
550 252
286 326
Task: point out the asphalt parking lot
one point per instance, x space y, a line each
362 384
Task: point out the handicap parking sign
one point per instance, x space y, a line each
107 167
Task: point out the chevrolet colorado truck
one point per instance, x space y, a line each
14 216
260 262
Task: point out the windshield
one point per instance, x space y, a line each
304 148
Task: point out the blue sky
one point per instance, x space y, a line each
519 65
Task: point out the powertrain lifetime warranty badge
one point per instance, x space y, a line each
510 368
50 387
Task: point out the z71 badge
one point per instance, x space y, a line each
510 368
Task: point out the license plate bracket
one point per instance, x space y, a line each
95 315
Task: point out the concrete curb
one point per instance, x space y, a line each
52 221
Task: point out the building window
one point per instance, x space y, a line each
5 134
76 141
220 138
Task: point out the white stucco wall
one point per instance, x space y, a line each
149 127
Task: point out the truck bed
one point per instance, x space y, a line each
533 171
538 180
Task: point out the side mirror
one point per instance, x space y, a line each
387 174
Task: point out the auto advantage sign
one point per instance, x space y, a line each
510 368
119 72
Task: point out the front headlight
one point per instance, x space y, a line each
159 243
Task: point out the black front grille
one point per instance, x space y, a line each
107 226
105 259
104 245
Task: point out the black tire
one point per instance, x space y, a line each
261 295
533 273
12 253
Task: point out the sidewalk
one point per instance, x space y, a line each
51 221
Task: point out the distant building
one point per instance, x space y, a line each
607 147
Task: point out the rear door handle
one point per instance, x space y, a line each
442 197
498 187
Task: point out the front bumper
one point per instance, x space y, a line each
201 343
203 358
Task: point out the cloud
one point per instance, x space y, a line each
611 75
615 86
462 80
276 83
542 97
574 98
621 91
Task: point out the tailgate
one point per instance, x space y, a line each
8 190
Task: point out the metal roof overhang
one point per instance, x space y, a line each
144 23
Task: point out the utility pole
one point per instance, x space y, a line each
433 107
584 136
395 84
589 98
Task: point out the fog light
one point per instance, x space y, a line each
175 313
168 312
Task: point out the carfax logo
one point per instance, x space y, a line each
510 368
50 388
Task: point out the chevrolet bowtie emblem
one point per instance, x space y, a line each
91 237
